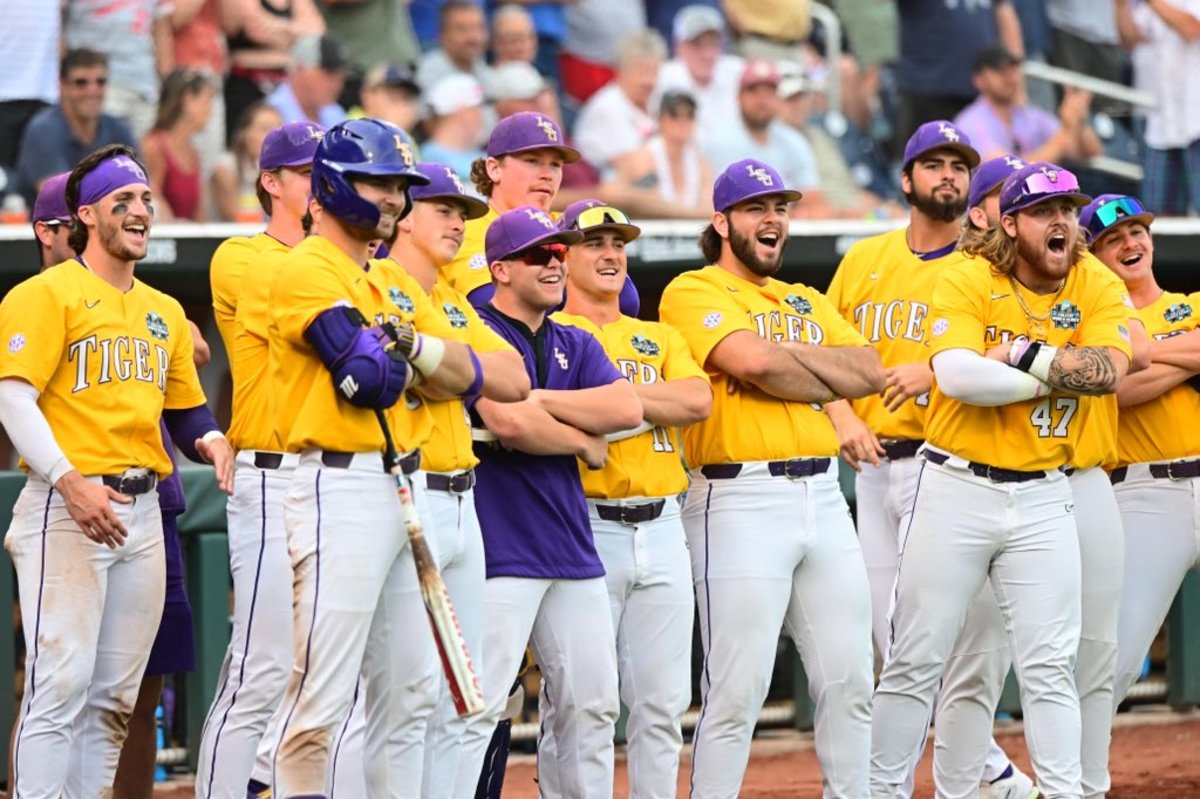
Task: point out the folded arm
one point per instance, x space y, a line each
675 403
849 371
769 367
969 377
599 410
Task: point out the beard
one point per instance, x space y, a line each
941 210
743 249
115 244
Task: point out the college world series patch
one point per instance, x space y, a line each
1066 315
798 304
401 300
1178 312
644 345
157 326
457 318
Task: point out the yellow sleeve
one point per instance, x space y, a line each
705 313
836 293
183 383
483 338
679 363
308 291
957 310
33 329
838 332
226 271
253 305
1108 323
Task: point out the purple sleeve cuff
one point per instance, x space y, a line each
481 296
187 425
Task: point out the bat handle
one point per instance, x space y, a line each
391 458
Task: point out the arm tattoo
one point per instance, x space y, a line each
1083 370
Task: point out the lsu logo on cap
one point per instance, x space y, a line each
1066 315
948 132
799 304
760 174
644 345
540 218
157 326
1177 312
452 176
548 128
401 300
1014 162
405 151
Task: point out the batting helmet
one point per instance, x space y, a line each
361 147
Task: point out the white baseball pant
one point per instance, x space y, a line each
90 617
965 530
649 579
569 626
358 610
259 658
770 552
1162 531
978 666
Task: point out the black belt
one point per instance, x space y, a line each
333 459
1176 470
993 473
796 467
131 485
631 514
899 450
268 460
453 483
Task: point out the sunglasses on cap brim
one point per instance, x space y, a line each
1047 184
1112 212
541 255
605 216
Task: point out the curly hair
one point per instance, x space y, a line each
1000 250
480 177
78 237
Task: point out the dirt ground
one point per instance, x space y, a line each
1153 756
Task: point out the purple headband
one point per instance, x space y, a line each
108 176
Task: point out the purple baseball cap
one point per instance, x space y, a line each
1038 182
989 176
1110 210
290 144
746 179
580 216
51 202
521 228
529 130
940 134
445 185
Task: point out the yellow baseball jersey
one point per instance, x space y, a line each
884 290
106 364
747 424
646 465
976 309
252 423
1163 428
469 269
229 264
449 447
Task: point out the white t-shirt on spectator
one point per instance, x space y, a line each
786 149
716 103
123 31
595 26
1091 20
436 65
609 126
1167 67
29 52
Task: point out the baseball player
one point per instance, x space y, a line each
768 529
544 578
991 501
93 358
1159 458
258 659
633 504
354 578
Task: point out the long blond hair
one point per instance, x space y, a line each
1000 250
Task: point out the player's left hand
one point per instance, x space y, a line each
220 455
904 382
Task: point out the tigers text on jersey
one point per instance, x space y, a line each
1163 428
974 308
106 364
747 424
884 290
645 465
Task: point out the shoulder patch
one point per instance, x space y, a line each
477 261
1178 312
713 319
16 343
1066 315
157 326
644 345
940 326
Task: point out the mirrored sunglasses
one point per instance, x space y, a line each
542 254
1110 212
600 215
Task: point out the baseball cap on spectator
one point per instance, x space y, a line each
585 215
290 144
529 130
51 202
390 76
940 134
693 21
989 176
322 51
455 92
1110 210
993 56
445 185
1036 183
516 80
675 100
522 228
759 71
792 81
746 179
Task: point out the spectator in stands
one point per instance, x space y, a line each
514 37
234 183
199 44
1167 34
758 132
136 36
425 15
463 41
60 136
314 82
373 32
661 14
29 52
1083 38
701 67
172 160
261 34
594 27
550 26
390 93
455 124
938 45
769 29
671 162
616 121
517 87
1000 122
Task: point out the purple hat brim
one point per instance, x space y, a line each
1078 198
791 195
567 237
965 150
569 154
473 208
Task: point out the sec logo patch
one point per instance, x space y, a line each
478 261
16 343
940 327
712 320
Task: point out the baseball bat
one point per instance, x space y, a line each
447 633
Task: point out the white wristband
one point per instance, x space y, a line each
1040 368
212 435
427 353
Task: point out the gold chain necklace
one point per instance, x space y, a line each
1025 307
